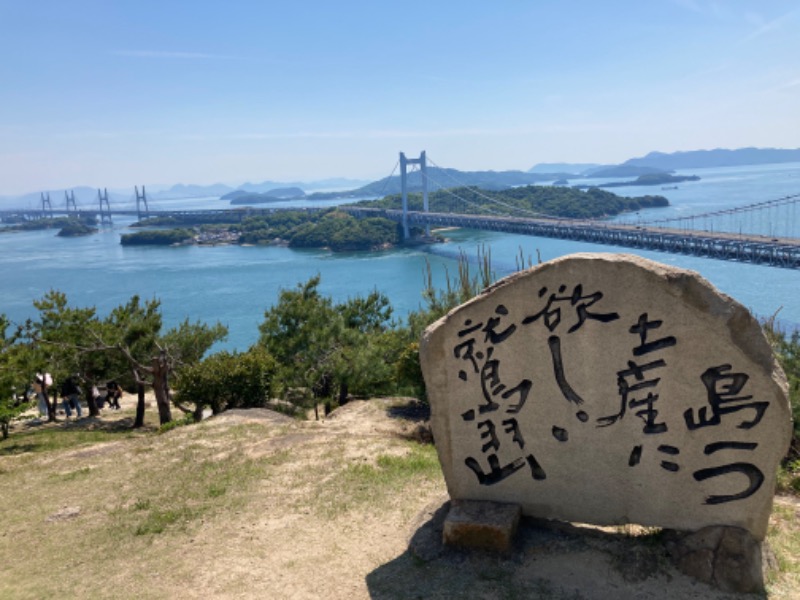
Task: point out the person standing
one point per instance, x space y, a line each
113 394
71 394
42 382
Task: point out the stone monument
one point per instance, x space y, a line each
609 389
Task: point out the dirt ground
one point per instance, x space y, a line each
310 524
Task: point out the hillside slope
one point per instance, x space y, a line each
252 504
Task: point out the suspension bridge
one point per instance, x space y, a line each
763 233
102 210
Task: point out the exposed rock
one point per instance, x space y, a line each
729 558
65 514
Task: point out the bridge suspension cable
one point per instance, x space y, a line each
442 188
767 213
389 178
480 193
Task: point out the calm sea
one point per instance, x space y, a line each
235 285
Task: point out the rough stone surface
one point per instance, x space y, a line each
729 558
609 389
64 514
483 525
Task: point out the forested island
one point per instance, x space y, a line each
332 229
241 197
532 200
67 226
341 232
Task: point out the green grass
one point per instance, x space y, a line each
363 483
157 521
73 475
194 485
789 478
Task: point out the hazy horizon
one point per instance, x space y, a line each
116 95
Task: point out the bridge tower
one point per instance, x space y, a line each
70 200
141 200
423 166
105 213
47 206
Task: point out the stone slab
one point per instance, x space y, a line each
482 525
609 389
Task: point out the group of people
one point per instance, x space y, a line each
70 394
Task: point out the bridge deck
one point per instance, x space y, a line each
761 250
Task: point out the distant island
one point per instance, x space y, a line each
67 226
668 162
241 197
700 159
649 179
625 171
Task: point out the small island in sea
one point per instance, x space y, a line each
648 179
244 198
70 226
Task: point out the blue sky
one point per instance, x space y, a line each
116 93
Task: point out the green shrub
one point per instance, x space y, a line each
228 380
156 237
787 350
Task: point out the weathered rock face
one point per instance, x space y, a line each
609 389
728 558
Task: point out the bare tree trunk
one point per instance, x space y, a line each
90 400
51 417
139 422
161 388
343 392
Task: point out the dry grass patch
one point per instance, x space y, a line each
253 505
784 541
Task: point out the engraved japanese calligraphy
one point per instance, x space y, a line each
608 389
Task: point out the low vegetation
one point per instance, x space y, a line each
77 227
331 229
157 237
68 225
787 349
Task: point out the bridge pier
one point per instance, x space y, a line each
70 201
105 214
141 200
46 204
404 162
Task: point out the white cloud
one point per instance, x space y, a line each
769 26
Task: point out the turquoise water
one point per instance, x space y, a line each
235 285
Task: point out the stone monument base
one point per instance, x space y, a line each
481 525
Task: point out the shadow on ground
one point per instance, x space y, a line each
413 410
26 439
550 560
